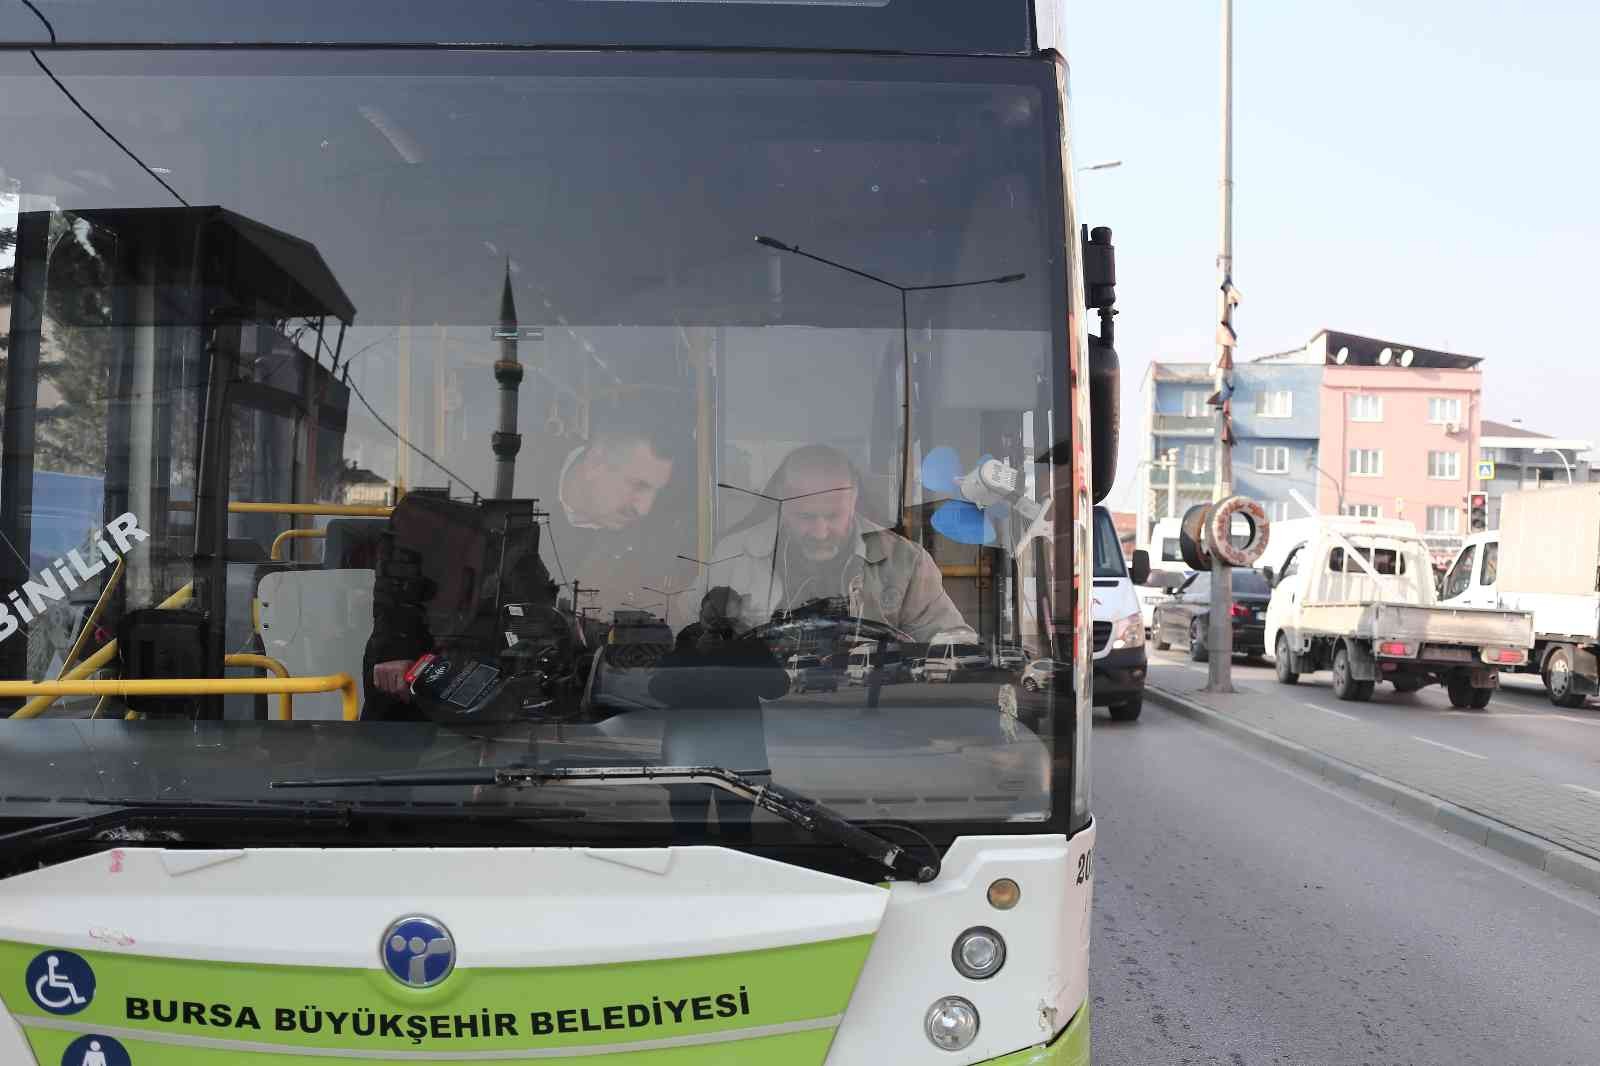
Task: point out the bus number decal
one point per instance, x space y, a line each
1086 866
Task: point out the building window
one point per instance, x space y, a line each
1362 510
1278 510
1444 409
1445 466
1365 407
1366 462
1194 405
1198 458
1279 403
1444 520
1272 459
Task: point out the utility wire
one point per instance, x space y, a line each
36 11
397 436
556 552
101 127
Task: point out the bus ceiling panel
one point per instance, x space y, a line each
992 27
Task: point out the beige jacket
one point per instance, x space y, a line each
890 580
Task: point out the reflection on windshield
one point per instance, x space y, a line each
479 388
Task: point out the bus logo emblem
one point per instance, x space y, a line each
418 951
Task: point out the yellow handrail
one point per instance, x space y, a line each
195 686
93 619
333 510
267 662
37 706
293 534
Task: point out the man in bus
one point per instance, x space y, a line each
820 547
596 494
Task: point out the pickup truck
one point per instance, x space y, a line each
1357 597
1544 559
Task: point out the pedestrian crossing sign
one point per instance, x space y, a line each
1485 469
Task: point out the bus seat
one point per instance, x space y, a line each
352 543
316 622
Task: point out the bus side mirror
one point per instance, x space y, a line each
1141 566
1272 579
1100 294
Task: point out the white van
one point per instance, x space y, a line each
1119 655
952 660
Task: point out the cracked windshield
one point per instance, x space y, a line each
393 413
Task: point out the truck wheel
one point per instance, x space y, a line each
1284 661
1127 712
1558 679
1460 690
1345 686
1406 683
1481 698
1197 642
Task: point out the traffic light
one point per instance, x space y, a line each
1477 511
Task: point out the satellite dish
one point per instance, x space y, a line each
1386 357
1341 356
1407 356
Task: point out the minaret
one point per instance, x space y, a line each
508 372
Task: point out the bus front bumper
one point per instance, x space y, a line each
1069 1048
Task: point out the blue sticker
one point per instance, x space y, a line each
60 982
418 951
95 1050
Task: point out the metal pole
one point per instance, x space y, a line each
905 415
1220 665
1172 483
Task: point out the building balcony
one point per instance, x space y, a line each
1184 425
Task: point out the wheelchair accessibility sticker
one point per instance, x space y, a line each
95 1050
60 982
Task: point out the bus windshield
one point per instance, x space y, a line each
558 401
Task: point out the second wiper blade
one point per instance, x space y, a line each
792 807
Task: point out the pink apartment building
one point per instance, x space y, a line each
1399 431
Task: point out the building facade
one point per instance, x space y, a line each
1177 463
1277 417
1522 459
1400 435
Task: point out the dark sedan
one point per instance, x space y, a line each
1184 617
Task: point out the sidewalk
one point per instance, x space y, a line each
1554 828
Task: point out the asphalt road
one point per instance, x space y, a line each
1520 728
1246 914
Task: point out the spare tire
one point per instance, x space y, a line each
1219 531
1191 537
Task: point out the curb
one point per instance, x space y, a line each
1577 870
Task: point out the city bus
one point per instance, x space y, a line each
480 403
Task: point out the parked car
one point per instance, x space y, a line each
1040 674
1185 616
808 673
951 661
1010 658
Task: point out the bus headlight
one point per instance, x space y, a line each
979 953
952 1023
1128 632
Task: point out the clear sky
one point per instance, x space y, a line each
1417 170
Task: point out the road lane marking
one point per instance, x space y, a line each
1592 791
1571 718
1329 710
1446 747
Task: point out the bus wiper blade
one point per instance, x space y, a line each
181 816
792 807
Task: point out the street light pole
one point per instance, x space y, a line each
1559 454
905 347
1219 675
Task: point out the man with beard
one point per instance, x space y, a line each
821 549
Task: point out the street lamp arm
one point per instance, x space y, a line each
794 249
